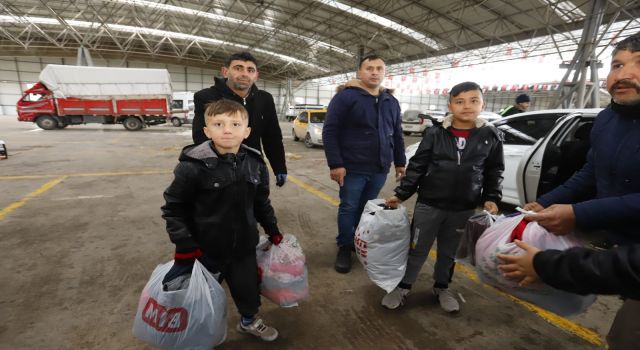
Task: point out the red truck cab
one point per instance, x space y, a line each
36 102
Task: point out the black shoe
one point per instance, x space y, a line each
343 260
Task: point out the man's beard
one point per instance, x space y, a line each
627 84
240 85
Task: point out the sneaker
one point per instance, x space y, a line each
259 329
447 299
395 299
343 260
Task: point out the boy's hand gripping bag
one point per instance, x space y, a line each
191 318
283 273
382 243
473 229
497 240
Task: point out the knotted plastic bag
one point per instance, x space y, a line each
382 243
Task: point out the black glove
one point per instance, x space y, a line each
281 179
182 265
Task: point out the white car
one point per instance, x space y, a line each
413 121
541 150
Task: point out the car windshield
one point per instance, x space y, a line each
317 117
410 115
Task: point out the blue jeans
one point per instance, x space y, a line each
354 194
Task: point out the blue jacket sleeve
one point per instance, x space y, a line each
585 271
399 158
333 121
600 213
581 186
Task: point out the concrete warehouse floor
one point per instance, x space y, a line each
80 233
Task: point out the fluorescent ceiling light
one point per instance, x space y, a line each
387 23
216 17
150 31
566 10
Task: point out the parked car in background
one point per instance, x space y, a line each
308 127
414 121
541 150
294 111
490 116
182 108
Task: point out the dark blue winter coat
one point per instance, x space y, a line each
605 193
362 132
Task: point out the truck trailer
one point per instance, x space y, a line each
70 95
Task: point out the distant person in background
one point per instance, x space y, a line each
240 73
522 104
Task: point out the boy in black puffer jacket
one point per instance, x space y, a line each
220 188
457 167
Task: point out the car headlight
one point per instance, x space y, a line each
317 132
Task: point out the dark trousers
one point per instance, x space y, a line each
625 330
241 274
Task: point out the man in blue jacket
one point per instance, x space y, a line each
605 194
362 136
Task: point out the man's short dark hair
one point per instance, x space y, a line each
464 87
631 44
240 56
369 57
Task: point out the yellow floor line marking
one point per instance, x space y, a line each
44 188
313 190
118 173
558 321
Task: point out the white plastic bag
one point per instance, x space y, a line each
192 318
495 240
382 243
284 279
473 229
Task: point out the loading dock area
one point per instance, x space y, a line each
81 232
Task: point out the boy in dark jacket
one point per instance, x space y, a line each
457 167
220 188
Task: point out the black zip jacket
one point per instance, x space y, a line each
214 201
263 120
450 181
585 271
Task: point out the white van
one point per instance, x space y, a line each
182 108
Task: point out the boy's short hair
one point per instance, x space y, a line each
225 106
464 87
241 56
370 57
